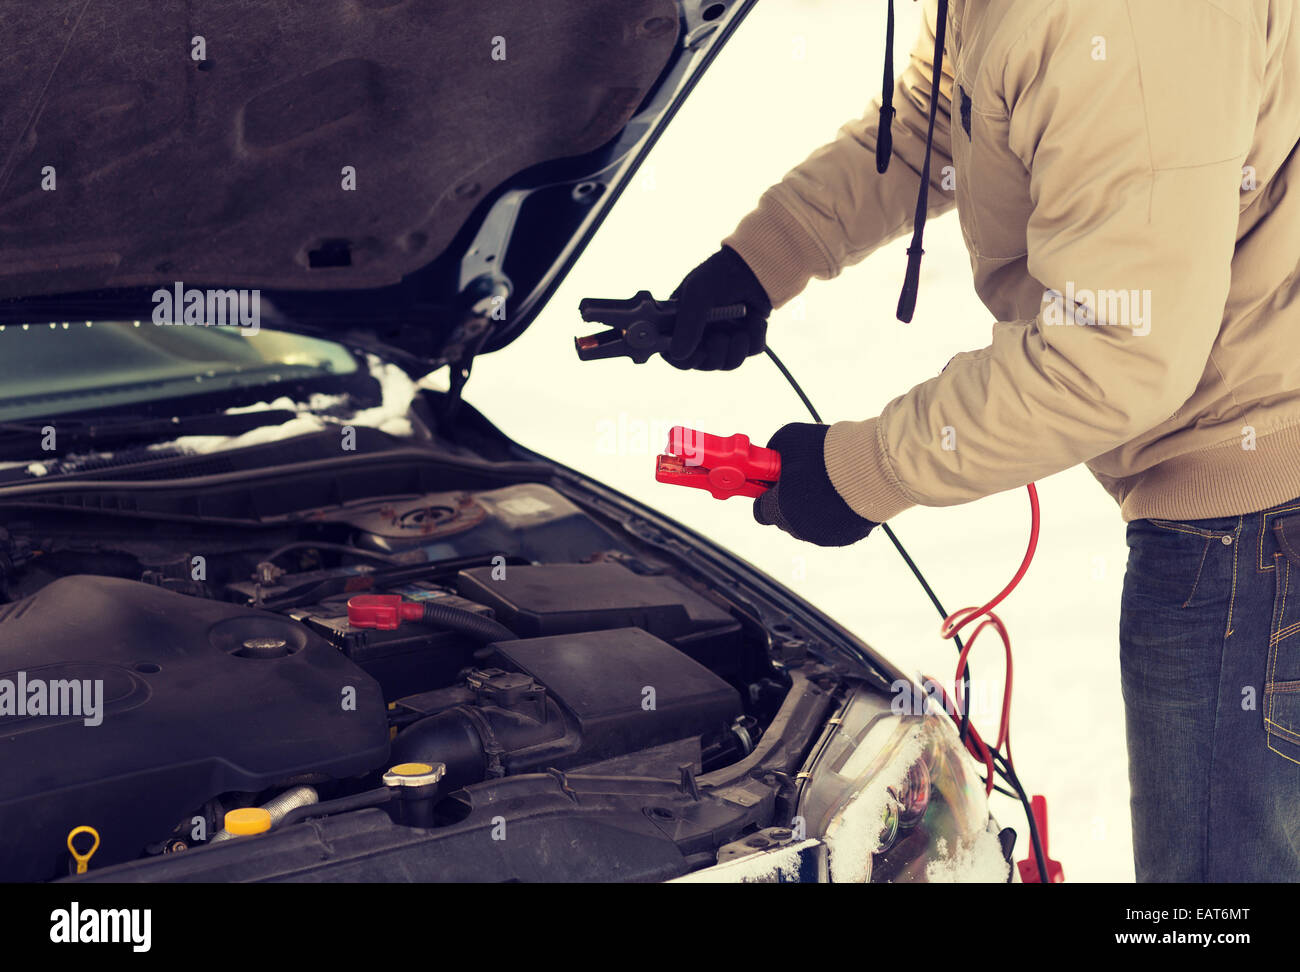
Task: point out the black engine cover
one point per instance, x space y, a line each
199 698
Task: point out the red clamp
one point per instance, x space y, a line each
725 466
383 611
1029 867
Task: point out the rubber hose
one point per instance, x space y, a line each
467 623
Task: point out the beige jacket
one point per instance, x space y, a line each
1123 175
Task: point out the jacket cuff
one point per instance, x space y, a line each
857 463
781 253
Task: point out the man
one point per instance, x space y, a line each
1123 177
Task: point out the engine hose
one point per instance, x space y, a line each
278 808
299 796
467 623
354 801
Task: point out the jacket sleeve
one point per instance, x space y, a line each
833 209
1134 181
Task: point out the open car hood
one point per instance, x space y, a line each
409 176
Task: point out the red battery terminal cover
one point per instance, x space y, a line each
724 465
383 611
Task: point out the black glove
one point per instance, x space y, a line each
804 503
722 279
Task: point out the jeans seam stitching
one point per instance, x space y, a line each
1282 754
1204 553
1259 547
1194 531
1272 666
1286 588
1282 632
1232 598
1290 735
1285 633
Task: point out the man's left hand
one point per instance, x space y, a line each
804 503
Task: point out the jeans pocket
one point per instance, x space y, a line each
1168 562
1282 676
1208 529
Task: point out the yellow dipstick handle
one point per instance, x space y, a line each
83 859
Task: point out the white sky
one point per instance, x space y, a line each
796 70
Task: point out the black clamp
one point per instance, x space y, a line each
639 326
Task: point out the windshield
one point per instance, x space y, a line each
53 369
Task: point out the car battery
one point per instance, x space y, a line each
552 599
415 657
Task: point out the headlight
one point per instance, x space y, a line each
897 798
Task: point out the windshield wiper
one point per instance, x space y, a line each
27 439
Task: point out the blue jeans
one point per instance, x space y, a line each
1210 667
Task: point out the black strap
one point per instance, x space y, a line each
912 281
884 137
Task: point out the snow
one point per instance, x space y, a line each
761 867
979 861
795 71
855 836
389 416
38 469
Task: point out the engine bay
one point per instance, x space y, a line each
232 675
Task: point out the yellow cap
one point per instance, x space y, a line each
411 769
248 820
415 774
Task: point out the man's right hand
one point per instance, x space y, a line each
722 279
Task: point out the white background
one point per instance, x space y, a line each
795 71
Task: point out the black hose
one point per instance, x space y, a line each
354 801
467 623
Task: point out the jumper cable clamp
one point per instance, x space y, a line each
639 326
724 465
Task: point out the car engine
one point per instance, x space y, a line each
221 669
